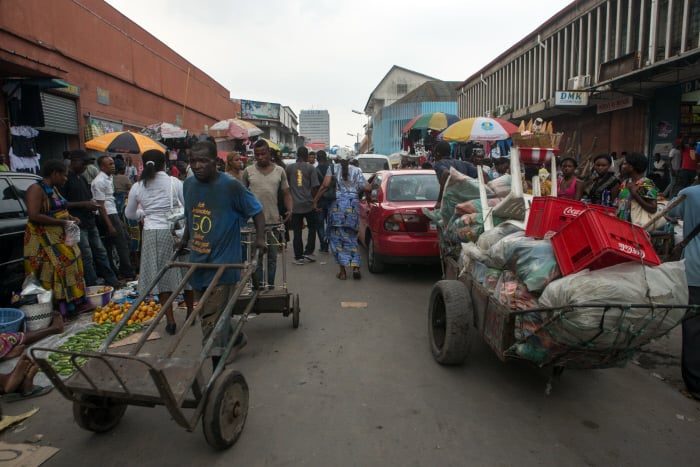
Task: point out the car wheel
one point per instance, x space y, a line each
374 265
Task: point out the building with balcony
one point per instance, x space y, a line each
613 75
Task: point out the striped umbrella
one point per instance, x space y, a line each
479 129
125 142
430 121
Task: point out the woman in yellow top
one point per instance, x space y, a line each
58 266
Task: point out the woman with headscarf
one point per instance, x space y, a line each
605 186
344 214
56 264
153 194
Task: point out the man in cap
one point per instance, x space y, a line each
81 205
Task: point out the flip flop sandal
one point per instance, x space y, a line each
340 276
356 275
36 391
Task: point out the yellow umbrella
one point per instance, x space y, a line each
272 145
124 142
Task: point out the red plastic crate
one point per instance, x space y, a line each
548 214
595 240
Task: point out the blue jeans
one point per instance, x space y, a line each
321 217
95 260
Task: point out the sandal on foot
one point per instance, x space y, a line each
356 274
170 328
36 391
341 276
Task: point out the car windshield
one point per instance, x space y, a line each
410 187
373 165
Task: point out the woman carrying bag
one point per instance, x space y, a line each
154 192
636 202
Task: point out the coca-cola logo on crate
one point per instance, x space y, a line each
630 250
572 211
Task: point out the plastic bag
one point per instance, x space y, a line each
532 261
501 185
497 252
488 239
513 293
622 284
72 234
459 188
32 293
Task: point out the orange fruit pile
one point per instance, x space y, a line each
114 312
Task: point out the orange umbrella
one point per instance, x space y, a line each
124 142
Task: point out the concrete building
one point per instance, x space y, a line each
278 122
67 67
431 96
623 74
314 127
393 86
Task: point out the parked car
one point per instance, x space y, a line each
13 220
372 163
392 224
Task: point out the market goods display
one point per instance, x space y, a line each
88 340
114 312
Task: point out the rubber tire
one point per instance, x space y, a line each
374 265
98 420
295 311
226 410
450 322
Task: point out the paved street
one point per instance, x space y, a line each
358 387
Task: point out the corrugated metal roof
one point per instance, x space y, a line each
432 91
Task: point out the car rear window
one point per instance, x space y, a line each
10 205
409 187
373 165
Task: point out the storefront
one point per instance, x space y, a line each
675 113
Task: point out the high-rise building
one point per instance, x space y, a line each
314 126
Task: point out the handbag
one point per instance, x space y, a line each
176 216
330 193
640 216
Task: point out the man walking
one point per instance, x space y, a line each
81 205
303 184
326 199
265 180
216 207
103 192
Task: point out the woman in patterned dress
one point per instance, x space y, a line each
344 215
59 267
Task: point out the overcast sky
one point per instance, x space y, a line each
329 54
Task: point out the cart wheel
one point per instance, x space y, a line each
374 265
226 409
99 419
295 311
450 322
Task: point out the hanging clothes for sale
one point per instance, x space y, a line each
23 152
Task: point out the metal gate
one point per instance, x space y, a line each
60 114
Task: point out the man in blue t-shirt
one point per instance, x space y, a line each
217 206
443 162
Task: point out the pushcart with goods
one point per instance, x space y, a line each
108 380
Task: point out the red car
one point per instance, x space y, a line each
392 224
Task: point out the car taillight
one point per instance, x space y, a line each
403 222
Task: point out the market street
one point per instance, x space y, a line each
358 386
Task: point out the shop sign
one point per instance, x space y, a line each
615 104
571 98
71 89
103 96
690 86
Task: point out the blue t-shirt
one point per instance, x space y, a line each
216 212
689 211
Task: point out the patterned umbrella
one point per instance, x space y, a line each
234 128
479 129
430 121
125 142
